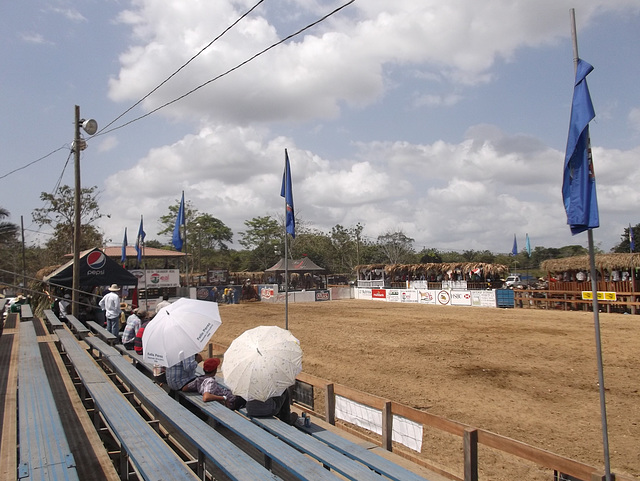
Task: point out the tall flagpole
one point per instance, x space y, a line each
286 258
144 270
186 257
594 292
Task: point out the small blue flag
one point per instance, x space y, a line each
514 249
579 180
632 243
528 246
176 239
140 240
123 259
290 219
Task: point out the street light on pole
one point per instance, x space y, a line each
90 127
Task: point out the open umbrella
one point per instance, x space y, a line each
262 362
179 330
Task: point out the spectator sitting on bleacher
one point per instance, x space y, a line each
278 406
134 321
137 343
211 390
182 373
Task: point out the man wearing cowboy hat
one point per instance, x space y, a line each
110 304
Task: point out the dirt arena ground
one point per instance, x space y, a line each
530 375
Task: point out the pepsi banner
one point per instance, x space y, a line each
96 270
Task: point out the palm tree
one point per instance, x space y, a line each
8 230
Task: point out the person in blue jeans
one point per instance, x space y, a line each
110 304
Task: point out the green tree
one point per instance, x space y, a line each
429 256
9 249
59 213
346 243
168 221
263 237
397 247
625 242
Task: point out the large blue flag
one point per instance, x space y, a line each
514 249
579 180
123 258
290 220
632 243
140 240
528 246
176 239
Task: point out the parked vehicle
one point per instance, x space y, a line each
519 281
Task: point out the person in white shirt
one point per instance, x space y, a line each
164 302
110 304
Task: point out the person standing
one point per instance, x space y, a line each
64 306
110 304
163 303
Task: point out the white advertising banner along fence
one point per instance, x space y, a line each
441 297
405 431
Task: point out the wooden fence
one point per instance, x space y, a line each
470 437
571 299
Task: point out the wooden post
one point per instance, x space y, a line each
387 426
330 404
470 447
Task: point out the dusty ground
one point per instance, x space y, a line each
527 374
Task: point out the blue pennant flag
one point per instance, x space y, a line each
528 246
632 243
290 219
123 258
140 240
176 239
514 249
579 180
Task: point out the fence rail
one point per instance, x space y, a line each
571 300
470 437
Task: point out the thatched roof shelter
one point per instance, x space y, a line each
488 270
609 262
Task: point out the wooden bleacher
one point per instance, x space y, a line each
229 459
52 321
229 451
43 448
140 444
101 332
80 330
272 448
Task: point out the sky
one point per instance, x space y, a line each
446 121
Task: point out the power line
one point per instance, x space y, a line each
285 39
34 162
100 132
105 129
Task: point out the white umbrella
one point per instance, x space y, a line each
262 362
179 330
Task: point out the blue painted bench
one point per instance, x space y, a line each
26 312
365 456
81 331
52 321
274 450
233 462
100 331
150 456
318 450
44 450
